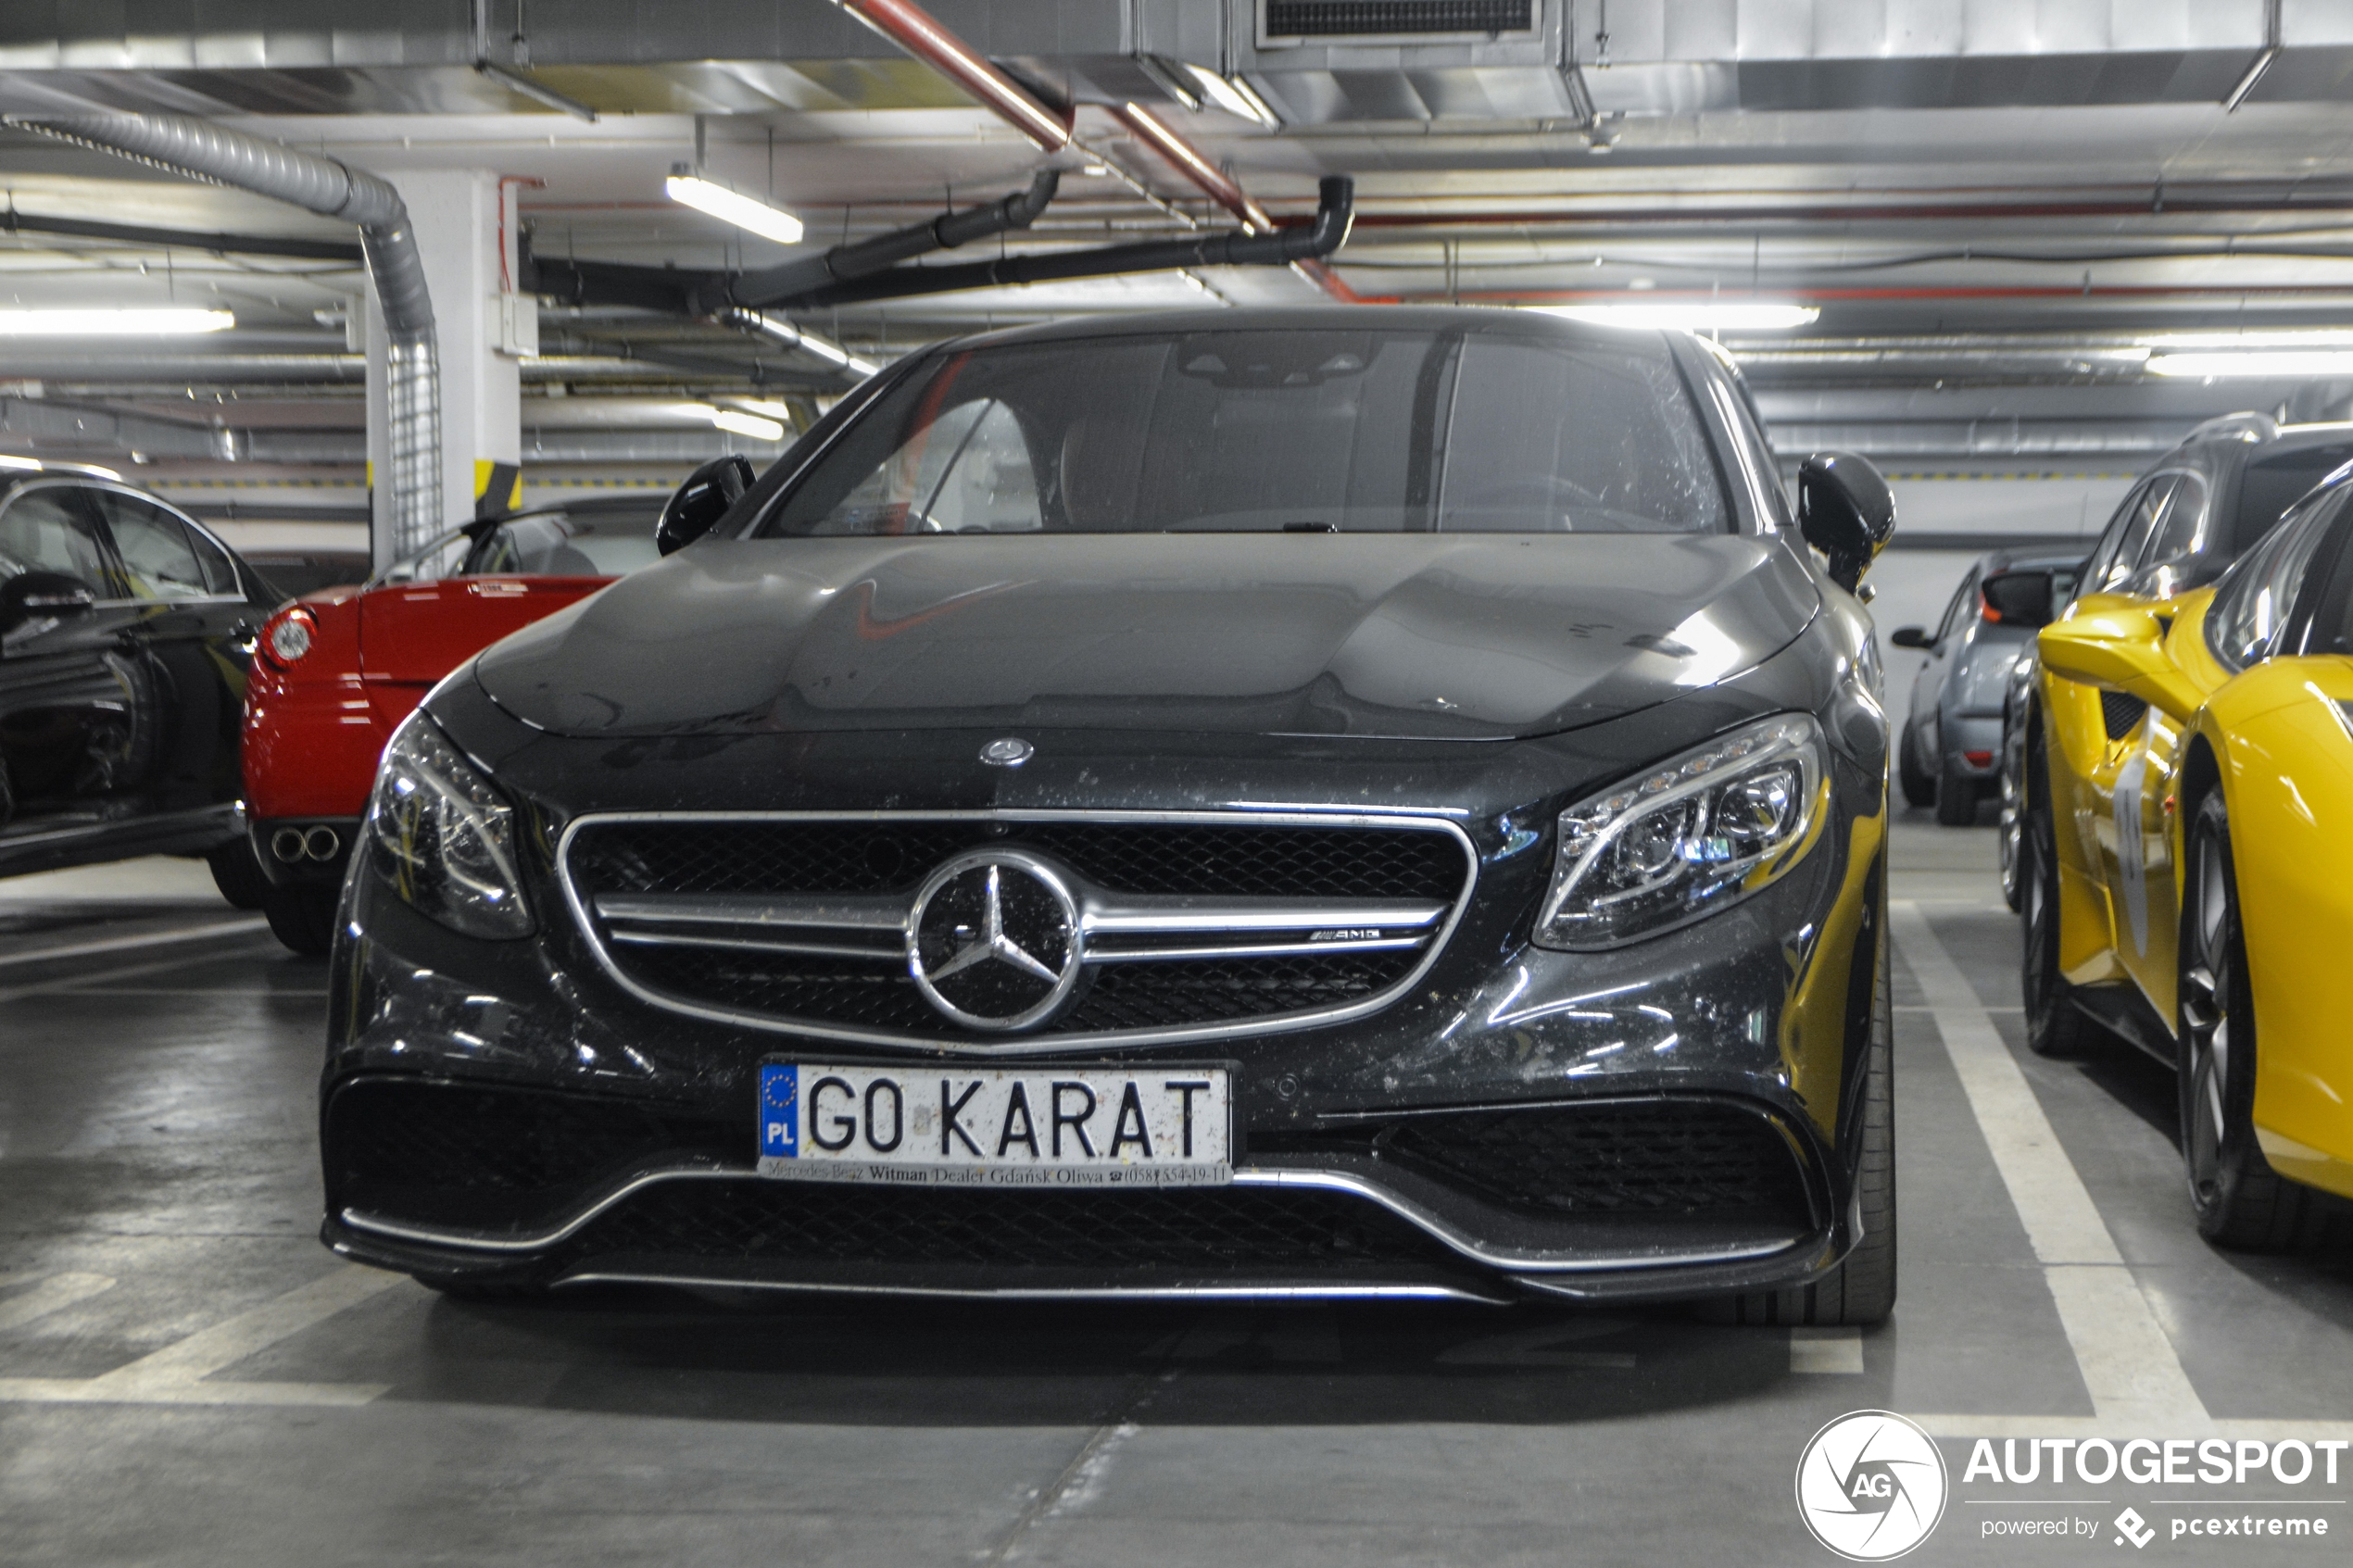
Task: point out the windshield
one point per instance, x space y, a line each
1486 430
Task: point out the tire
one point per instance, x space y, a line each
237 873
1956 796
2054 1026
2240 1202
1917 787
1861 1291
302 918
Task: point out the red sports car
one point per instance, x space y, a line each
338 669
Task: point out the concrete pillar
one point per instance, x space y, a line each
457 216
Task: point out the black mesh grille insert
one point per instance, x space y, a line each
1638 1158
470 1155
1176 858
1206 1228
2119 714
1326 19
892 858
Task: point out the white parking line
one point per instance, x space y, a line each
50 1295
1826 1350
2128 1366
175 1374
152 939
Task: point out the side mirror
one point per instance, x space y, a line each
703 501
1845 511
2019 599
33 595
2124 648
1911 637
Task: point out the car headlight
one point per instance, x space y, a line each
1694 835
442 838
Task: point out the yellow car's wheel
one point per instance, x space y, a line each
2054 1026
2240 1200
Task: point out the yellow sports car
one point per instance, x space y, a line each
2189 781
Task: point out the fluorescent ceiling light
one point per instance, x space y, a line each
747 424
2278 362
767 407
732 206
31 465
1232 94
112 323
2310 337
823 348
1697 315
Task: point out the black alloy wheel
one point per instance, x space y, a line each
302 918
1918 788
2054 1026
2240 1201
1861 1291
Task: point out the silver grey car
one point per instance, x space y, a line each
1948 754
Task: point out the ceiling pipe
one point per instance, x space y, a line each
1283 247
777 285
15 222
915 30
204 151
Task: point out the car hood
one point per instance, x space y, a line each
1414 636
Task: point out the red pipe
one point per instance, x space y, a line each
913 29
1188 161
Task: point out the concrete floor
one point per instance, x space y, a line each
186 1377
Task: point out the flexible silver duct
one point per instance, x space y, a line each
204 151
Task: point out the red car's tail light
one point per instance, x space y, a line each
289 636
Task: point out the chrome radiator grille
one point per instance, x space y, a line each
1179 925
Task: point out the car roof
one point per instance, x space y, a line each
1301 318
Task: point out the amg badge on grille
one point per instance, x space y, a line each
994 941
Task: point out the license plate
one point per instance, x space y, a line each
1047 1128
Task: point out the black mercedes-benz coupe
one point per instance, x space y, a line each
1306 803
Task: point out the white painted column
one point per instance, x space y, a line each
455 213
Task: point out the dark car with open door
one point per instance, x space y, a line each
125 631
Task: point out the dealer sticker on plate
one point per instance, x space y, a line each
1059 1127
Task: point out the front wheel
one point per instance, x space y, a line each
2054 1026
2240 1201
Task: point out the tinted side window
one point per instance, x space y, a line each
154 547
2103 553
2179 534
2139 523
217 569
50 529
1964 598
2269 486
2259 593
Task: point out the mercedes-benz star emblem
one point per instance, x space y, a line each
1010 752
993 941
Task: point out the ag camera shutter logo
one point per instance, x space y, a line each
1871 1485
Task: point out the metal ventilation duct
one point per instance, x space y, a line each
205 151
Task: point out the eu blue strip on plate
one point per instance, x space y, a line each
779 1111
